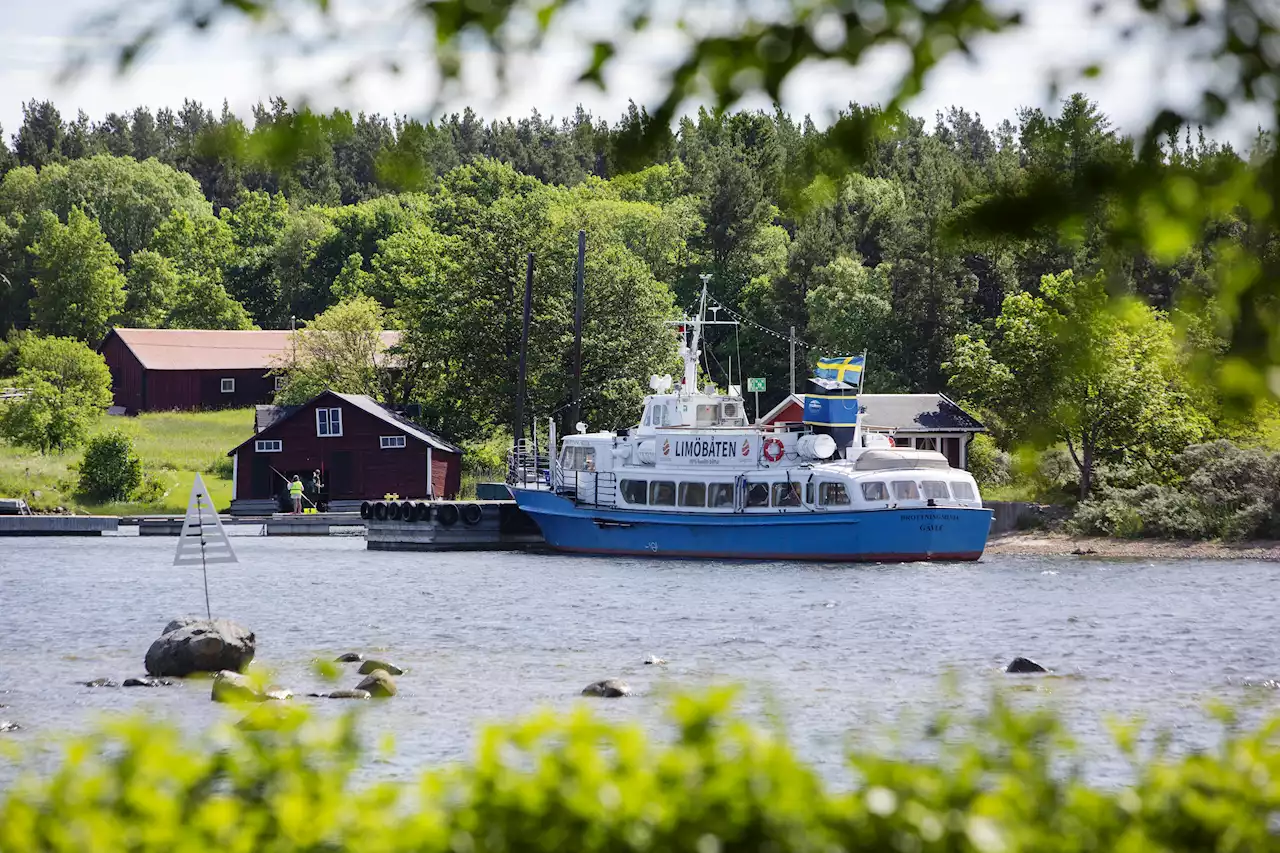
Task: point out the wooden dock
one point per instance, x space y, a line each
57 525
454 526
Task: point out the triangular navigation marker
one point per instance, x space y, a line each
202 540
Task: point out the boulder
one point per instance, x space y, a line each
1022 666
200 645
349 657
99 682
378 683
278 695
344 694
389 668
231 686
149 682
655 660
6 726
610 688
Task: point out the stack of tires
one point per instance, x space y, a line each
446 514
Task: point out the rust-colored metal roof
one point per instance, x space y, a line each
202 349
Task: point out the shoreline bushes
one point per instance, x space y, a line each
280 782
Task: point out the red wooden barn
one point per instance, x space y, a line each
360 449
155 370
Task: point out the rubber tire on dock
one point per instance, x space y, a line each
380 511
393 511
471 514
366 510
407 512
422 512
447 515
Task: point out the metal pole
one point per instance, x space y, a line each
204 568
579 294
517 425
793 359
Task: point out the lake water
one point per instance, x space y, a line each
491 636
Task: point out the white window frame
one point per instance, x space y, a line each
392 442
329 420
228 385
268 445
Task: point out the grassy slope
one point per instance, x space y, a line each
173 447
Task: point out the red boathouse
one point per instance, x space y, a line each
158 370
361 450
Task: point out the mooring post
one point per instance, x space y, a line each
517 425
579 291
793 360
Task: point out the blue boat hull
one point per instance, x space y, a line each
886 535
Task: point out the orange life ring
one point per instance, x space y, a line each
892 443
772 449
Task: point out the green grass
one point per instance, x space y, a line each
173 446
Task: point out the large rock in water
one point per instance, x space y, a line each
610 688
200 645
233 687
378 683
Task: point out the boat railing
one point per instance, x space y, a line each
528 466
587 488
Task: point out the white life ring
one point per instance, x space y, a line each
773 449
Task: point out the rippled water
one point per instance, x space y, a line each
491 636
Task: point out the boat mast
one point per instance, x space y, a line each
692 351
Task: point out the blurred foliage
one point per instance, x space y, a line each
1003 781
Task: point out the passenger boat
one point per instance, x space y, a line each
695 479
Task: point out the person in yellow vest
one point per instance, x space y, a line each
295 492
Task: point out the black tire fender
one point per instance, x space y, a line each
366 510
471 514
447 515
380 511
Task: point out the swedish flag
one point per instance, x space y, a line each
841 368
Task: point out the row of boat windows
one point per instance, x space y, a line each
715 495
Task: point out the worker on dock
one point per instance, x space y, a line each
295 492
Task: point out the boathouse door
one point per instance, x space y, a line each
341 477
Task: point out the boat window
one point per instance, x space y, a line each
693 494
648 415
706 414
757 494
835 494
875 492
719 494
566 458
808 492
662 493
586 459
786 494
906 490
935 489
964 491
634 491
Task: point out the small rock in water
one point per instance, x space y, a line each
6 726
278 695
344 694
370 665
233 687
349 657
655 660
1023 666
610 688
378 683
200 645
149 682
99 682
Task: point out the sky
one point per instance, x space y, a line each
227 63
